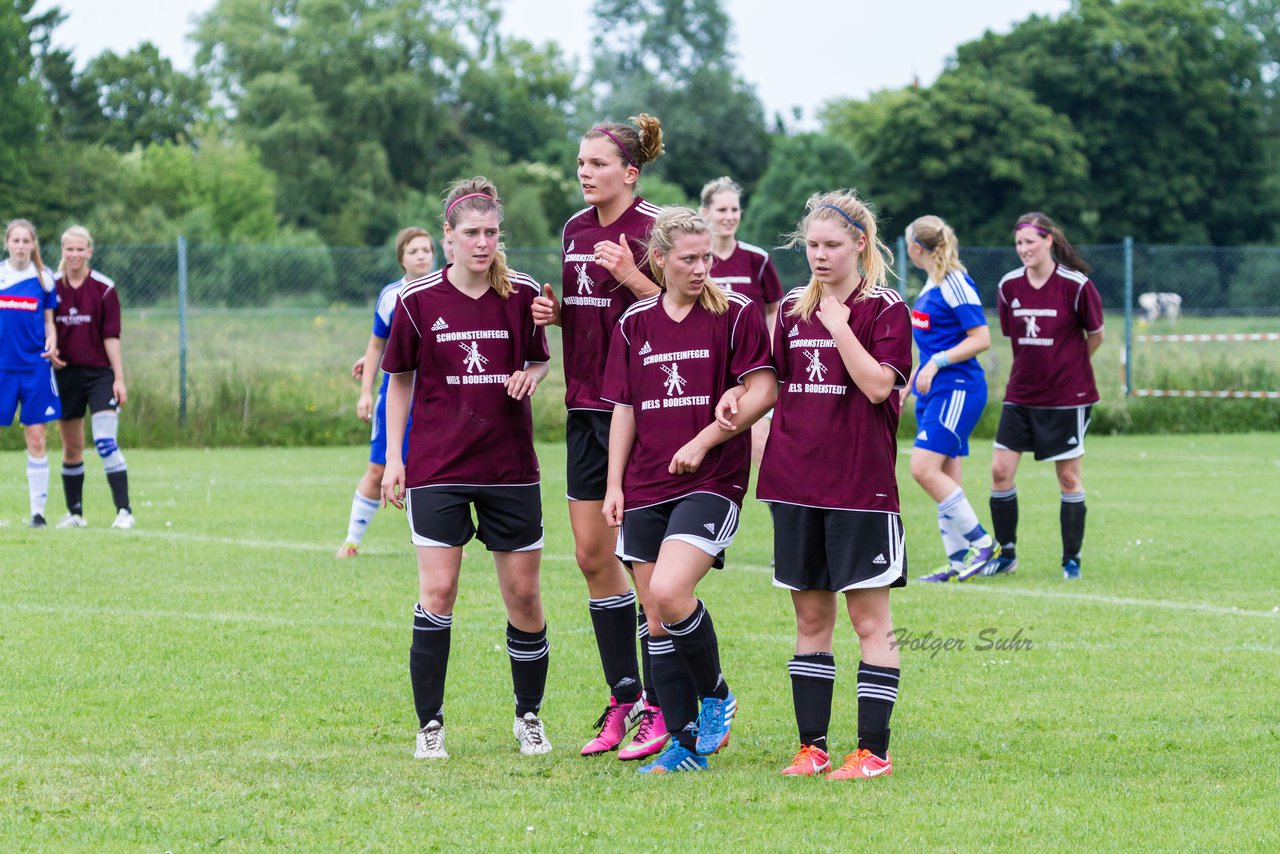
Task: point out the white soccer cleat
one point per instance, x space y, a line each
124 520
531 734
431 742
72 520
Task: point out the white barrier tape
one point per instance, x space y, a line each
1236 336
1257 395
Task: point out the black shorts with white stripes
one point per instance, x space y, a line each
816 548
703 519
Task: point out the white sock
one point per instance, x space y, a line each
38 483
953 542
362 510
959 511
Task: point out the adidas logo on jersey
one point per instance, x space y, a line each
880 561
439 324
569 248
795 330
1015 303
646 349
710 527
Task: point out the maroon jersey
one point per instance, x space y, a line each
466 429
1051 365
592 300
748 271
85 317
672 374
829 445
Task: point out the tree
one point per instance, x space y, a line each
671 58
976 153
801 165
22 104
140 98
357 104
1160 93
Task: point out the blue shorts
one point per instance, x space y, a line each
378 438
37 391
944 419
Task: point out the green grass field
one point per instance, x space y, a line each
215 679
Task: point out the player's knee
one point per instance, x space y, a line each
596 562
871 628
672 600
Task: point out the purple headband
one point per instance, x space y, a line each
618 143
1033 225
853 222
454 203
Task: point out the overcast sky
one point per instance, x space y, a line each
813 51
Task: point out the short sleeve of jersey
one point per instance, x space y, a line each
538 350
770 282
780 331
403 343
49 298
891 341
110 314
750 342
383 311
617 386
1002 310
1089 308
962 297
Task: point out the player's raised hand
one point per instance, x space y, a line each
546 308
727 407
522 384
688 458
616 258
833 313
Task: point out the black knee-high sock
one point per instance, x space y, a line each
428 663
676 695
119 483
877 692
813 678
530 653
614 621
1072 518
646 659
1004 519
694 638
73 487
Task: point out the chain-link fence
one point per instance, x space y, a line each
228 344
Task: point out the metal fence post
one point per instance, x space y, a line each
1128 316
182 330
901 249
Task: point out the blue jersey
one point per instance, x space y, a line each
942 313
23 300
383 310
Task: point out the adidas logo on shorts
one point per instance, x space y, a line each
923 436
710 527
439 324
646 349
1072 441
48 410
880 561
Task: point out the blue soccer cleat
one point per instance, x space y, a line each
675 758
1071 569
1000 566
713 723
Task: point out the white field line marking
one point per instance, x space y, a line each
988 589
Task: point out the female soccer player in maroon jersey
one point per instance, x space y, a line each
416 255
676 479
604 273
842 345
1052 315
741 268
465 352
91 376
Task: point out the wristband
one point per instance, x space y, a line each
940 359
